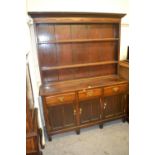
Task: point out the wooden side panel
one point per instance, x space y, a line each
31 144
124 72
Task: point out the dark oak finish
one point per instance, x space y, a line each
89 110
124 69
114 105
33 132
78 57
124 73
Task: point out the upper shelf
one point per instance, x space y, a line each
78 65
79 40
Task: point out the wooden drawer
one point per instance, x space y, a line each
59 99
85 94
114 90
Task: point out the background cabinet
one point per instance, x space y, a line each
33 133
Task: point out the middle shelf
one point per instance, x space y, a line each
78 65
78 41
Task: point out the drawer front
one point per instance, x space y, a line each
86 94
114 90
60 99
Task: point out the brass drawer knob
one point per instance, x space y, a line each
61 99
90 93
80 110
115 89
74 112
105 104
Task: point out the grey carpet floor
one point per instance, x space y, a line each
113 139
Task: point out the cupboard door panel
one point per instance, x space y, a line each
69 115
85 111
114 105
61 116
95 111
89 110
56 116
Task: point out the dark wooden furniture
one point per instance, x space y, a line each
33 133
124 69
78 57
124 73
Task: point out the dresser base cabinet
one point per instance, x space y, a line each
83 108
79 55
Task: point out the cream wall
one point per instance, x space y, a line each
116 6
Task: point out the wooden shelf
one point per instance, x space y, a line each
78 65
80 40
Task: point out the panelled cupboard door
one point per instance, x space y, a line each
61 116
89 110
114 105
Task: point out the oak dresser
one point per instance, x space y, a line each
78 55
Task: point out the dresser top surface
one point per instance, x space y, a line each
80 84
